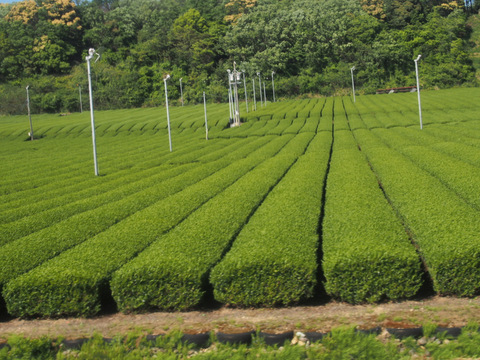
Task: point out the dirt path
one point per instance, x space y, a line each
443 311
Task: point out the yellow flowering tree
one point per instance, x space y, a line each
53 29
236 8
374 8
56 12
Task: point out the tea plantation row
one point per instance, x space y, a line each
306 197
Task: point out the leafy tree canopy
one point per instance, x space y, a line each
310 44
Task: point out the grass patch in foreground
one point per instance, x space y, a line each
341 343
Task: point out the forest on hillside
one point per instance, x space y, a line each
309 44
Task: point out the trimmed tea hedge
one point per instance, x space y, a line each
311 124
173 272
43 219
274 258
28 252
326 116
444 226
454 173
367 255
281 126
73 283
269 126
48 193
51 183
296 126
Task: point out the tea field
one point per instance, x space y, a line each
316 199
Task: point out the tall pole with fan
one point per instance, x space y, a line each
91 54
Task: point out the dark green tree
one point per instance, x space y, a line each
192 42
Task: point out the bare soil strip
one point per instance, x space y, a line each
442 311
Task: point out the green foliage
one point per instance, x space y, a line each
68 232
457 175
26 219
192 42
367 254
51 290
43 245
464 346
273 260
310 44
173 272
347 343
341 343
14 99
47 33
38 349
444 227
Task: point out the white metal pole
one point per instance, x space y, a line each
91 52
205 110
236 81
181 90
273 86
254 96
418 91
168 112
237 104
29 114
353 83
230 97
230 106
264 95
80 97
245 87
260 87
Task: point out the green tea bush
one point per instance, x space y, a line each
42 217
295 127
74 282
443 225
273 260
456 174
311 125
367 255
269 126
173 272
28 252
280 128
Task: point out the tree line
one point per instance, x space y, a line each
310 44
